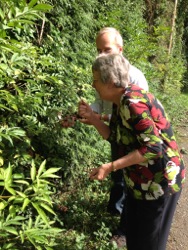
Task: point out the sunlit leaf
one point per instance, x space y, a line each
48 173
30 223
45 206
41 168
3 205
11 230
18 175
21 194
12 198
32 3
25 203
8 174
1 161
42 7
9 189
33 171
22 182
41 212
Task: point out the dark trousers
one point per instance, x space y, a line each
148 222
118 189
117 193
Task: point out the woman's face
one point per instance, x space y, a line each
100 87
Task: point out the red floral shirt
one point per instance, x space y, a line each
141 123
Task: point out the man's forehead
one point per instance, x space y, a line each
106 38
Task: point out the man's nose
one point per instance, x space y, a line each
102 53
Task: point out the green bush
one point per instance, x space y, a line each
47 47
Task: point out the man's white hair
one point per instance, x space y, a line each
117 36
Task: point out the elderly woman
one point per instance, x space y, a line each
148 153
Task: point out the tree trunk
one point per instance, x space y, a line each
173 28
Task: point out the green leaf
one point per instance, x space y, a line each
16 131
18 200
49 172
33 171
12 210
45 198
2 14
25 203
3 204
41 168
22 182
45 206
4 107
30 223
9 246
11 230
42 182
8 174
1 161
14 107
22 236
2 33
41 212
3 66
14 222
18 218
21 194
32 3
8 138
12 198
50 176
9 189
18 176
42 7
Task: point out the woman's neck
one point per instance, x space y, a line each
118 95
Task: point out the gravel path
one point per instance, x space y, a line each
178 239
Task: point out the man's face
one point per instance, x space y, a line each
106 45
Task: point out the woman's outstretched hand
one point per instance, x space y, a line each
101 172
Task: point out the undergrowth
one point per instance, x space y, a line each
177 108
81 211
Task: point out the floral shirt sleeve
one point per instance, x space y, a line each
141 123
145 116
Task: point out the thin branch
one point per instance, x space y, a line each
173 28
41 32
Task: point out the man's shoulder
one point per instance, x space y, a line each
133 70
137 77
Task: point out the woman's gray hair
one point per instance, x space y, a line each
112 68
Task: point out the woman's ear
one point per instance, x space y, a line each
115 85
111 85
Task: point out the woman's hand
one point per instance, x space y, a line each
68 121
89 117
101 172
85 111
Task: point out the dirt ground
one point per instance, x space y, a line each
178 239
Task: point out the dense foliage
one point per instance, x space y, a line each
46 50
